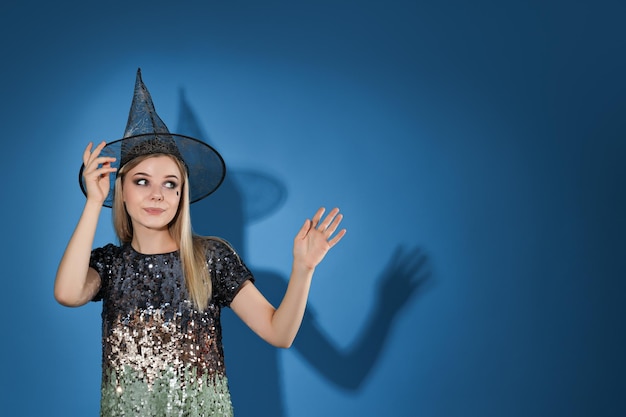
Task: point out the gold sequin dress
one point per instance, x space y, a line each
160 356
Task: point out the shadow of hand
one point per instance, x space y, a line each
406 273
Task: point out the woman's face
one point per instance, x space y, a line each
151 192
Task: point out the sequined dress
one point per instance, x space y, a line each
160 356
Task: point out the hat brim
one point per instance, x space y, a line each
206 167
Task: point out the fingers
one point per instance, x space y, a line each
95 164
331 221
337 218
87 153
304 230
317 216
96 171
332 242
329 225
89 156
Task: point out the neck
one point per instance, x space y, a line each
153 242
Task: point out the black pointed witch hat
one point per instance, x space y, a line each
146 134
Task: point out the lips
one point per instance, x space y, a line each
153 210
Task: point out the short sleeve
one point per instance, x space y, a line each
102 260
228 271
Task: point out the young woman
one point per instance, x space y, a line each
163 286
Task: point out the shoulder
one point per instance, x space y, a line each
109 248
109 251
222 258
216 246
228 271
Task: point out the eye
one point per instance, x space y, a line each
170 185
141 181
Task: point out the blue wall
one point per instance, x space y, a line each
476 150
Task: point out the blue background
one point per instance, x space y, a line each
476 149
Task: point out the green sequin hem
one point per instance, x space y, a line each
126 394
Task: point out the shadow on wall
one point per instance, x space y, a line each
252 364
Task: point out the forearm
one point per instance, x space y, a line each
280 326
71 286
288 316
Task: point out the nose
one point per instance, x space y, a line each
157 193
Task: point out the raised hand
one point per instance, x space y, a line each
316 237
96 172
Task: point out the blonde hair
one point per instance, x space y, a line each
191 247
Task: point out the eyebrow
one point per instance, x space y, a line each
145 174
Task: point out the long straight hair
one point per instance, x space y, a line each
191 247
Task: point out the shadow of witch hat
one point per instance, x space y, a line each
261 193
146 134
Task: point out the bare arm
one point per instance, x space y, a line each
280 326
76 283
